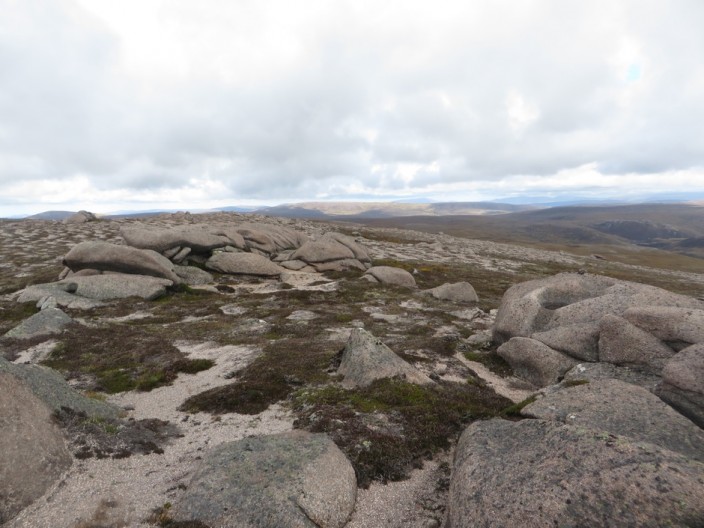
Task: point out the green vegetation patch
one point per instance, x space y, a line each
283 367
121 357
391 426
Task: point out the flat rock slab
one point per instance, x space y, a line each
621 409
366 359
110 286
244 264
33 451
193 276
295 479
537 473
47 322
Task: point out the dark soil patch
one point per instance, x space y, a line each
390 427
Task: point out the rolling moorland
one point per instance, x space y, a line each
161 383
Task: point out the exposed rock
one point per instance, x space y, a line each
46 322
621 409
270 239
683 383
111 257
580 341
535 362
366 359
193 276
570 298
462 292
33 451
195 237
537 473
81 217
324 249
51 388
622 343
680 326
243 264
295 265
110 286
63 293
600 371
391 275
339 265
290 479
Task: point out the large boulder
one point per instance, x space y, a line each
570 298
243 264
366 359
580 340
198 238
677 326
391 275
536 473
622 343
460 292
683 383
622 409
34 454
535 362
270 239
81 217
109 286
47 322
193 276
294 479
104 256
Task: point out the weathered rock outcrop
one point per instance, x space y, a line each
366 359
33 451
104 256
594 318
290 479
622 409
81 217
538 473
333 251
198 238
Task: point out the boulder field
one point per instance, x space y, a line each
611 435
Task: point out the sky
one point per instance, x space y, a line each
191 104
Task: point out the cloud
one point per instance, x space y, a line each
278 101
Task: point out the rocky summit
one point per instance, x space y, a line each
232 370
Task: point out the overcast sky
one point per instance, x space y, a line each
109 105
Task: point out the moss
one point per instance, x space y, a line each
515 409
389 427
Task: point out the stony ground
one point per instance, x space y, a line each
268 351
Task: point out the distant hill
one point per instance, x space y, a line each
672 227
332 210
51 215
